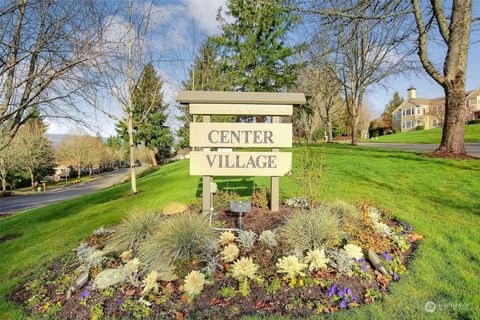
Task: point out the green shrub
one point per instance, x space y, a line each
474 121
422 127
221 199
176 242
135 228
313 229
259 198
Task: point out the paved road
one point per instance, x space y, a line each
473 149
19 203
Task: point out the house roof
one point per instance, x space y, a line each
434 101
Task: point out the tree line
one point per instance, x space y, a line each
347 48
57 53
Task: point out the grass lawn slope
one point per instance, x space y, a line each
438 197
472 135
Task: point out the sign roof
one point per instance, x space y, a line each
241 97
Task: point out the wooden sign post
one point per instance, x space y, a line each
210 136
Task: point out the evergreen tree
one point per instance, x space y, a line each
204 75
149 117
255 55
392 105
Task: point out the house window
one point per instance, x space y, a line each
403 112
419 123
434 122
403 125
409 124
409 112
419 110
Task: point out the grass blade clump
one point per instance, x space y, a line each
176 242
135 228
348 214
313 229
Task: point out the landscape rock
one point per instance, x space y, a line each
174 208
110 277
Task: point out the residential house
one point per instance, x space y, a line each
429 113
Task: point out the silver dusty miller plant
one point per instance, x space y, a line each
211 257
340 260
269 238
246 239
100 232
90 255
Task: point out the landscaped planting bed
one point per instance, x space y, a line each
297 262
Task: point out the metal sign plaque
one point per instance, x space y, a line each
240 206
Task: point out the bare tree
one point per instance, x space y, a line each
121 68
76 150
33 150
455 33
306 120
370 49
452 22
94 152
319 81
7 164
43 47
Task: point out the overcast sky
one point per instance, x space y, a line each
180 26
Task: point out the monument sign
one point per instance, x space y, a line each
213 138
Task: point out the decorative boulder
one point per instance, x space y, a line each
174 208
110 277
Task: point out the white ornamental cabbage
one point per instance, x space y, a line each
353 251
316 259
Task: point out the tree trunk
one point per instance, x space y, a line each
90 171
131 148
32 179
79 172
454 121
329 131
4 185
354 130
309 137
152 156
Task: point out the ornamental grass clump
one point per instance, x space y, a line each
176 242
137 226
348 214
312 229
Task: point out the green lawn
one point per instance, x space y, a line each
440 198
472 135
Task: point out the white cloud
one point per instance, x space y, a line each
205 13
